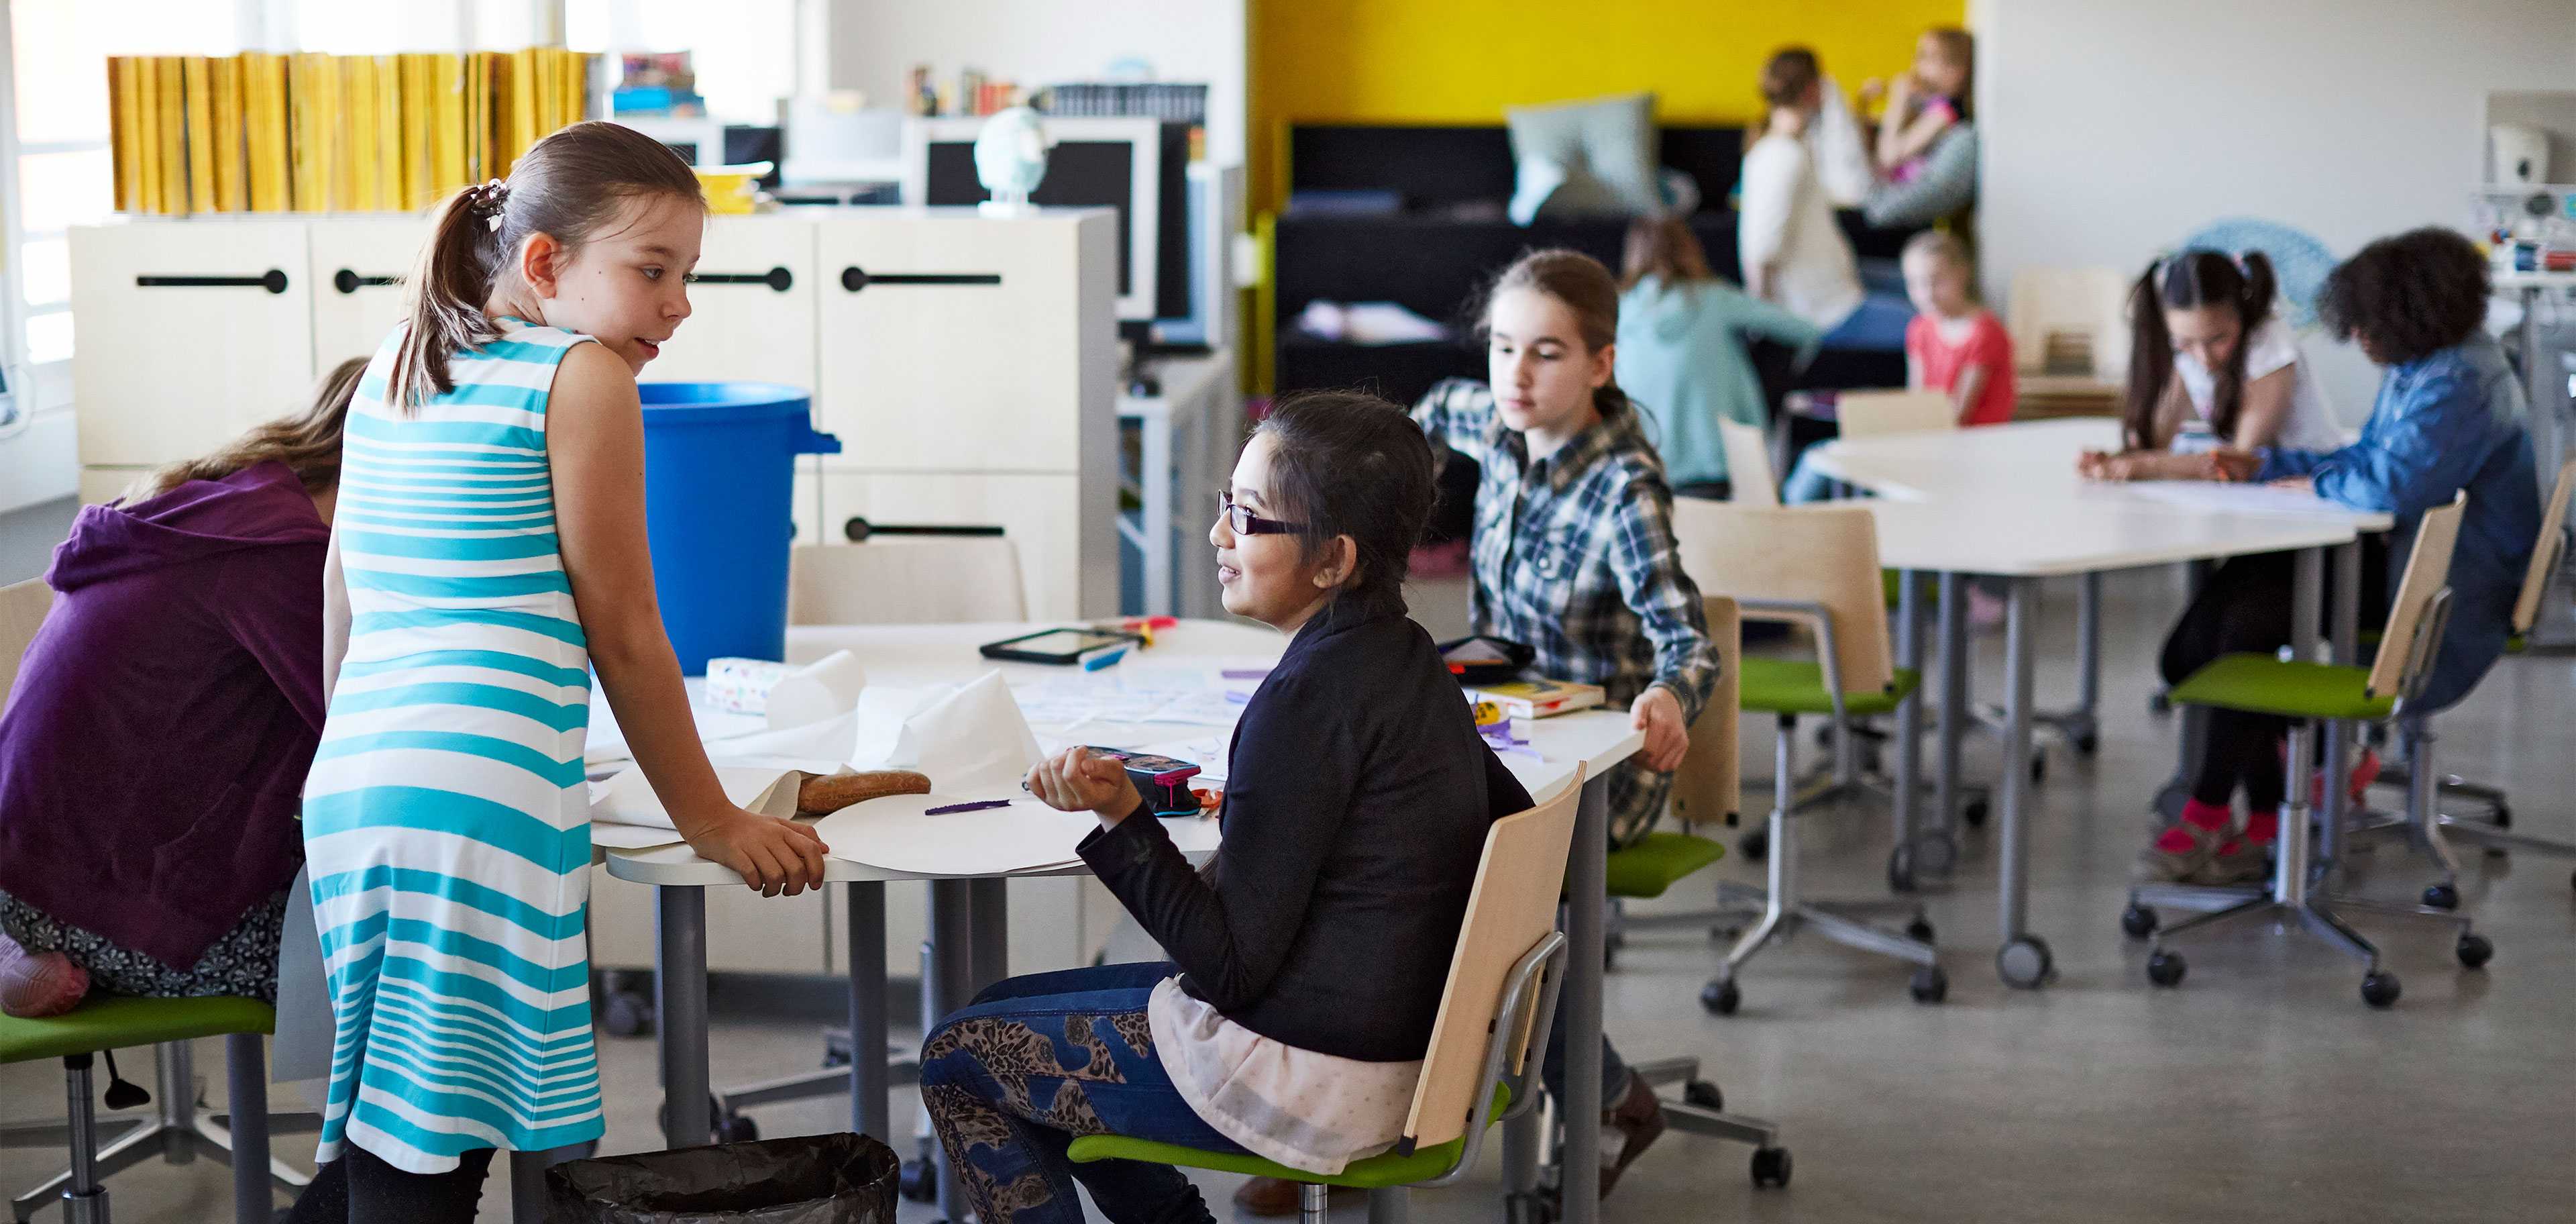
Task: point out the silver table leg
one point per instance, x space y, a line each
1953 618
2346 641
246 1068
1586 885
949 985
992 940
2023 959
1906 857
680 981
870 1112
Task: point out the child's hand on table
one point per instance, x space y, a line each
775 857
2301 484
2234 464
1659 714
1076 781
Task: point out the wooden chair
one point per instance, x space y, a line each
2310 695
1815 566
1748 464
1492 1024
906 582
1877 414
2070 322
22 608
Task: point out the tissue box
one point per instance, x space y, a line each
741 686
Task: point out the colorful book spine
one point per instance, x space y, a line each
196 79
264 131
360 165
170 147
224 78
313 91
125 133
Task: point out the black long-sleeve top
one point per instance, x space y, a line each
1357 799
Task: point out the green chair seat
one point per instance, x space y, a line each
1653 865
1374 1173
1790 686
2263 684
115 1023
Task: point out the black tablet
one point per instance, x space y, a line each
1062 647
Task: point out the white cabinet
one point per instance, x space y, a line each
187 333
358 263
752 309
1062 523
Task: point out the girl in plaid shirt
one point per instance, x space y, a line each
1573 553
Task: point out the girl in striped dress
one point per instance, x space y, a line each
489 554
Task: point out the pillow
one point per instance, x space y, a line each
1584 158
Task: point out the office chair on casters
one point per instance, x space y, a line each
2311 695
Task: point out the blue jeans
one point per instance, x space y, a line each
1877 323
1034 1061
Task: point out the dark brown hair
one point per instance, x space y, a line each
1959 47
2409 296
1788 74
2189 280
567 186
1346 463
307 441
1586 288
1662 246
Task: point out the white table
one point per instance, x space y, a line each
967 915
1193 406
2005 502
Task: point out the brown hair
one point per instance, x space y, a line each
1586 288
1788 74
1959 47
567 187
2189 280
307 441
1662 246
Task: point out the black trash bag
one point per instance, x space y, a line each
808 1179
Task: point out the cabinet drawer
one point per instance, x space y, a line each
356 265
186 334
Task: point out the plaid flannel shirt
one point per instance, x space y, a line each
1574 555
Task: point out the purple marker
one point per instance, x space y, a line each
982 805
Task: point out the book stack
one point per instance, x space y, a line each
1169 102
265 132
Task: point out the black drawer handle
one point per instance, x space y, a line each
274 282
859 529
775 278
853 279
347 281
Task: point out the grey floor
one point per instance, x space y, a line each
2260 1089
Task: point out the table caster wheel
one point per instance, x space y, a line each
736 1128
918 1182
2024 963
1974 812
2380 988
1704 1095
2503 816
2159 705
2088 743
1770 1167
1529 1207
720 1114
1754 844
1919 929
2038 767
629 1013
1930 985
1720 997
2474 950
2165 968
2442 896
2138 921
1900 869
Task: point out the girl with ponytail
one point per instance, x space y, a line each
2211 363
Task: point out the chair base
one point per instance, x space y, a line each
2319 915
179 1130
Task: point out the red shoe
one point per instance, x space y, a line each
2364 773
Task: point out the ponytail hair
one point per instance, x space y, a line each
306 441
1587 289
2189 280
568 186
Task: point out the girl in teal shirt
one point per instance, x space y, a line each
1682 358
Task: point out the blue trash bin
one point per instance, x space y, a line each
719 469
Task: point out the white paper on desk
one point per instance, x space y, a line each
2239 498
972 742
606 741
819 691
628 799
897 833
820 747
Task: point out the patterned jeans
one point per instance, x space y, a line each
1034 1061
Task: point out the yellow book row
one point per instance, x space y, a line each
263 132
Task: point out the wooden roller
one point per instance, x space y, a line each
830 794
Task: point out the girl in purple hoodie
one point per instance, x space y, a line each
153 751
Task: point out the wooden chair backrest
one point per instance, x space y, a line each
2079 314
1510 909
1876 414
2428 570
906 582
22 608
1823 554
2545 557
1708 787
1748 463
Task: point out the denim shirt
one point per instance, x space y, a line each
2446 422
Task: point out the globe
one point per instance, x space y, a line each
2298 258
1010 157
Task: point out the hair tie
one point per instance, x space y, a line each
488 199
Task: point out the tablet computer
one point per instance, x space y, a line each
1062 647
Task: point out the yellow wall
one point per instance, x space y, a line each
1463 61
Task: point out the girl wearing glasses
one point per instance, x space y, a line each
1307 961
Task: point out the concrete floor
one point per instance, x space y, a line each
2260 1088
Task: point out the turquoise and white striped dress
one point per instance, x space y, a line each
446 822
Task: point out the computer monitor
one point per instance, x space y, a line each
1139 167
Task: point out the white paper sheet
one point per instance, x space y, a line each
628 799
820 691
2240 498
897 834
606 742
972 742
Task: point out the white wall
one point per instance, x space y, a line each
874 43
2110 128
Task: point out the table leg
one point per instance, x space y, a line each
870 1113
1954 699
2088 648
246 1069
680 979
2023 959
2346 643
949 987
1586 887
1909 720
1155 456
990 960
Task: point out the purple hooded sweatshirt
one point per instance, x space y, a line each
153 754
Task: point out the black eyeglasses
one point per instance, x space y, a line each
1245 522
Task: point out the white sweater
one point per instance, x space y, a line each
1786 222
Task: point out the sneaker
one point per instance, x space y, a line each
2178 854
